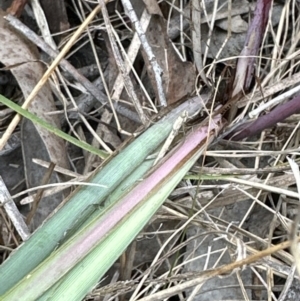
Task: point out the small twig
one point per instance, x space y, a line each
120 64
13 212
176 127
287 286
34 38
230 14
281 65
10 129
42 22
240 171
93 88
40 193
265 106
294 228
278 114
130 58
204 276
211 27
157 70
196 37
270 90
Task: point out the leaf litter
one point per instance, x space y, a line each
245 56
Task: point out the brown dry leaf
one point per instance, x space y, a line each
36 142
178 76
17 7
152 7
56 14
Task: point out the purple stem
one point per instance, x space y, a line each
256 33
245 65
280 113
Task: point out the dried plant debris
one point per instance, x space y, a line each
123 65
178 76
36 142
